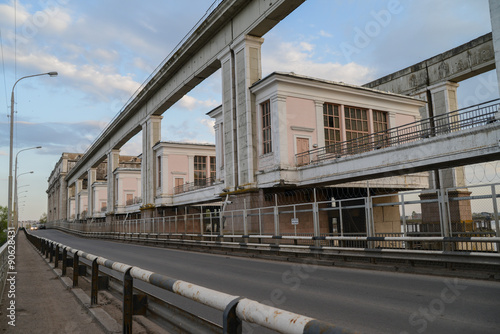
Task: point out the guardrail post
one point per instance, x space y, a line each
64 262
231 324
128 299
76 262
94 283
51 252
276 216
56 258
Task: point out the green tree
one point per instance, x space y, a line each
43 218
3 224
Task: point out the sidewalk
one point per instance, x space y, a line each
42 303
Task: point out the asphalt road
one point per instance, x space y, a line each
362 300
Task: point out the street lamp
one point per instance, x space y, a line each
16 209
16 212
9 204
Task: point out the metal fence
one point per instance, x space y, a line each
235 309
462 119
455 219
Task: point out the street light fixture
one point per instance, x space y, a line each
9 204
16 212
16 209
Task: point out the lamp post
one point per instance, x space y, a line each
16 209
9 204
16 212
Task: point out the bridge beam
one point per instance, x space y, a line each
460 63
194 61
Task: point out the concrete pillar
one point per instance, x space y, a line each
151 134
78 189
218 150
241 67
190 173
279 132
113 163
91 178
444 100
320 124
495 27
63 198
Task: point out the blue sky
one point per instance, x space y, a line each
104 50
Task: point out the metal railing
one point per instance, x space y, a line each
345 223
197 184
236 309
461 119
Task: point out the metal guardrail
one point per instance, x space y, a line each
198 184
457 120
235 308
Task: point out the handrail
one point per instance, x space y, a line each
461 119
245 309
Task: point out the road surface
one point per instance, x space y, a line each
362 300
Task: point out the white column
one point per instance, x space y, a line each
241 67
151 134
91 178
320 125
113 163
444 100
63 198
279 133
190 175
78 189
228 117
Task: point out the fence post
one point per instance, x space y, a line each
128 302
51 252
495 213
64 262
245 222
231 324
76 262
94 283
276 216
56 259
316 217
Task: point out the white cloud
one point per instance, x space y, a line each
3 153
323 33
191 103
298 58
209 124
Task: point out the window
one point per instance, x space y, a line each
266 127
331 122
159 172
200 170
379 121
213 168
356 122
380 124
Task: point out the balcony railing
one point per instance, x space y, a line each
461 119
197 184
134 201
